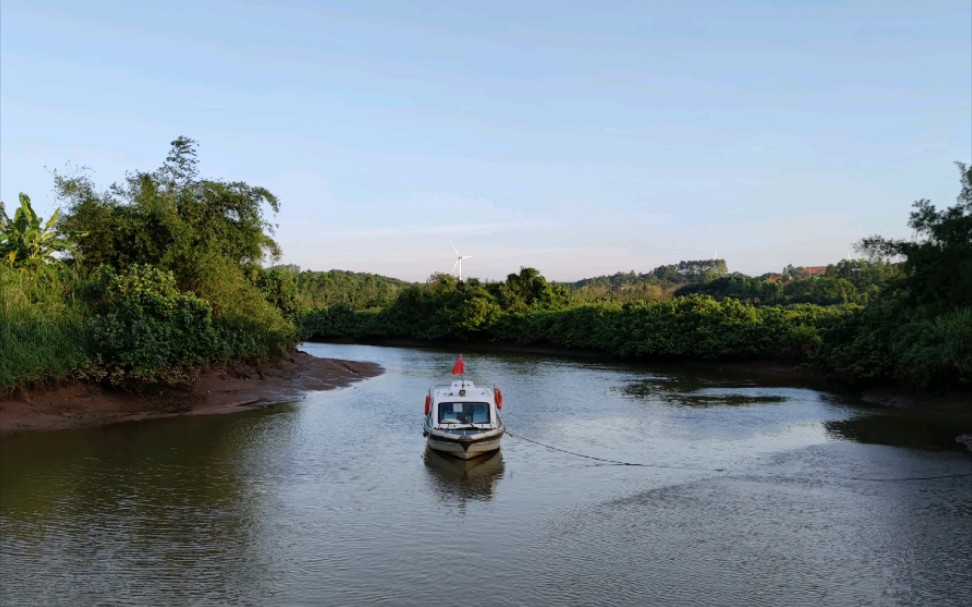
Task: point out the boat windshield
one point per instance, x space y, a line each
464 413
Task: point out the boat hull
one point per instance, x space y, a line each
464 447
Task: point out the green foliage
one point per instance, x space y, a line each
170 218
870 278
176 285
737 286
935 350
442 309
938 264
822 290
699 327
146 330
337 321
656 285
252 326
43 334
358 290
694 327
279 287
924 335
859 348
26 241
209 235
528 290
849 281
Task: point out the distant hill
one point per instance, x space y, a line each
657 284
848 281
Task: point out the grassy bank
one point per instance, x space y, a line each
43 329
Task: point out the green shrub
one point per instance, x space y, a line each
935 350
856 349
145 331
43 334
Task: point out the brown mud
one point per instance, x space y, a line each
81 405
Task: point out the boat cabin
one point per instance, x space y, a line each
462 402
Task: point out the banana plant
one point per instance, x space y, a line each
27 241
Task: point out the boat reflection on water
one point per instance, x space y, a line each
453 478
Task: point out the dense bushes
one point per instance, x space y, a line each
889 340
43 334
128 329
859 345
357 290
935 349
695 327
145 330
921 333
144 283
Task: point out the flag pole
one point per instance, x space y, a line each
459 368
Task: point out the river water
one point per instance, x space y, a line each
745 492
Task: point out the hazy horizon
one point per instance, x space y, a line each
466 275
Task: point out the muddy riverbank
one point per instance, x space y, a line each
218 391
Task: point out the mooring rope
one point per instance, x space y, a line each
613 461
699 469
905 478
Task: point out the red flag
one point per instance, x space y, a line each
460 367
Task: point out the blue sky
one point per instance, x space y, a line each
579 138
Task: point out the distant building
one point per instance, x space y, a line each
791 273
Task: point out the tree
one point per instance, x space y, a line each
921 332
358 290
737 286
210 235
938 263
529 290
823 291
146 330
172 219
26 241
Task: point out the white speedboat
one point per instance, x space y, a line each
462 419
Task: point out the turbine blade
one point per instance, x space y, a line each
455 264
454 248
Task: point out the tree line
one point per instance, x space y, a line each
902 314
155 278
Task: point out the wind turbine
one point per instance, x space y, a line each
459 258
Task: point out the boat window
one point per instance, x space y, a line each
463 413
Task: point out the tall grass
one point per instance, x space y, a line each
42 328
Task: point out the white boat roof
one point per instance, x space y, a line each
462 389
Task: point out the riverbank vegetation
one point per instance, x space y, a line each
159 277
903 314
143 284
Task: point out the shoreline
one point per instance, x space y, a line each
222 391
219 391
889 396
